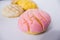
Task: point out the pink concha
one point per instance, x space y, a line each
34 21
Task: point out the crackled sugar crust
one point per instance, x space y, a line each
25 4
34 21
12 10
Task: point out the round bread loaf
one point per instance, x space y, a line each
12 11
34 21
25 4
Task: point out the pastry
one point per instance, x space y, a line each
34 21
25 4
12 11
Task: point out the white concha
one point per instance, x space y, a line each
12 11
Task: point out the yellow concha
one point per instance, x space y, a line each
26 4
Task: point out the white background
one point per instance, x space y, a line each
9 27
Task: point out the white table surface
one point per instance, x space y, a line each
9 29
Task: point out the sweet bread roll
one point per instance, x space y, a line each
12 11
34 21
26 4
